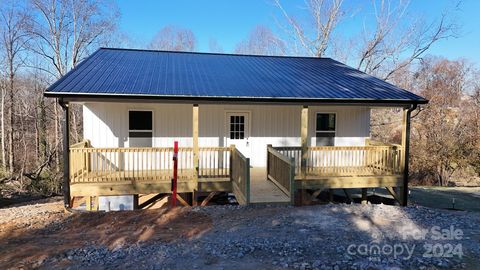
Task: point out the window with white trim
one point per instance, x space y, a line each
140 128
237 127
325 129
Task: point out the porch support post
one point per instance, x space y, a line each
406 151
195 141
66 155
304 141
364 195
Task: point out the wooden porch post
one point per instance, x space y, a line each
304 141
364 195
406 151
66 155
230 162
195 141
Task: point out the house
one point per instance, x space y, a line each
302 124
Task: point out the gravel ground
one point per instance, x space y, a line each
335 236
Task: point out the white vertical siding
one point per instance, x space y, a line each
106 125
353 124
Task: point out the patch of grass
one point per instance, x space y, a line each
466 198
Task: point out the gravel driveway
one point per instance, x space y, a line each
335 236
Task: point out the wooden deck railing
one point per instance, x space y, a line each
78 163
88 164
347 160
214 162
240 176
281 170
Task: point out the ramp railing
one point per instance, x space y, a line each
281 171
240 176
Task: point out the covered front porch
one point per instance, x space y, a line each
293 174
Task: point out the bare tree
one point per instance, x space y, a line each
472 118
172 38
261 41
324 18
214 47
14 37
439 138
445 132
398 39
65 32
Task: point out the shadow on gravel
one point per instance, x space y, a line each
27 248
370 226
409 231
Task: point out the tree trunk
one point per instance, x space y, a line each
25 149
37 139
2 124
42 131
74 123
11 153
57 139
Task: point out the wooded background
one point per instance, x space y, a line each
41 40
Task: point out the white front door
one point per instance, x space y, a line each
238 131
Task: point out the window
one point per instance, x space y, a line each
325 130
237 127
140 128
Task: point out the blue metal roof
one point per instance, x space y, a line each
141 73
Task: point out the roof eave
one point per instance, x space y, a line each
84 97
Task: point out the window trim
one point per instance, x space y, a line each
227 123
326 131
141 130
238 131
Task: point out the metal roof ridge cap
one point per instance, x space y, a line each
221 54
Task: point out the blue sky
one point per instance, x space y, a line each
231 21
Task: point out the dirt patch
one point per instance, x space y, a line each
232 236
30 234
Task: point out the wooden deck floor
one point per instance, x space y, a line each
263 190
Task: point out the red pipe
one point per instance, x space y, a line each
175 168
